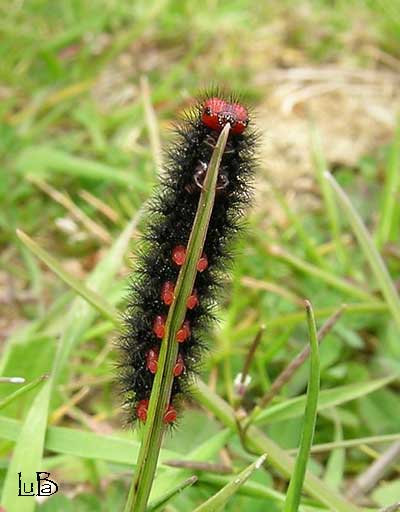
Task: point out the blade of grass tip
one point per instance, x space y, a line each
219 500
147 461
104 308
21 391
370 251
391 191
28 451
293 494
156 505
330 205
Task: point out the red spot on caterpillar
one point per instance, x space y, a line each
170 414
152 360
193 300
141 410
202 264
159 326
179 366
184 332
179 255
167 293
217 113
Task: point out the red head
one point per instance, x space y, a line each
216 113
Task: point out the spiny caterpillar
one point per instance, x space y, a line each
163 251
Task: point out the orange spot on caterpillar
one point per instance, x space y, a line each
152 360
167 292
202 264
179 366
179 255
141 410
170 414
159 326
193 300
184 332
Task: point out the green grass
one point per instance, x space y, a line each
88 91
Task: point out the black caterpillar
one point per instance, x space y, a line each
170 218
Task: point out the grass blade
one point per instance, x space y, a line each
293 495
330 206
79 443
153 433
370 251
391 191
328 398
219 500
55 160
156 505
277 457
27 456
93 298
22 391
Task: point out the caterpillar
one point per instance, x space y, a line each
162 251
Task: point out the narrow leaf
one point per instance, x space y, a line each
21 391
294 407
93 298
293 495
219 500
27 456
277 457
371 253
160 395
156 505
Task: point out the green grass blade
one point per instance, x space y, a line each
277 457
48 158
391 195
328 398
21 391
27 456
93 298
320 274
156 505
334 469
293 495
160 395
79 443
329 201
371 253
251 488
204 452
219 500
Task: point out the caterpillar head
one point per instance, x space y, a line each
217 112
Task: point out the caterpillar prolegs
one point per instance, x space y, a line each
170 217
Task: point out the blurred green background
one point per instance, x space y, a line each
88 94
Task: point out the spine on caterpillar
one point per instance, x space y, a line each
162 250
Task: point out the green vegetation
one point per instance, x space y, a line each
87 94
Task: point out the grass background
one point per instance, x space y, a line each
88 91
